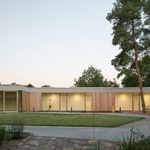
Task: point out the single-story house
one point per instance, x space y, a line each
19 98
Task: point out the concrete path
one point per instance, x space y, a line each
99 133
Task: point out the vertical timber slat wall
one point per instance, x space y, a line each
39 100
103 101
97 102
32 102
35 102
25 101
111 98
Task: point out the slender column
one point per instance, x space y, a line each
3 101
17 101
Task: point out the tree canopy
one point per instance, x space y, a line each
131 31
29 85
93 77
45 86
130 79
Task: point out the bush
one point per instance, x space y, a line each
2 134
136 141
16 128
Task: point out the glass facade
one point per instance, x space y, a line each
1 101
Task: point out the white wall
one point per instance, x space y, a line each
147 99
124 101
88 102
50 100
76 101
63 102
136 105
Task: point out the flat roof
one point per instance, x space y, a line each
74 89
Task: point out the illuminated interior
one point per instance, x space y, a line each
66 102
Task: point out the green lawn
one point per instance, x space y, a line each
87 120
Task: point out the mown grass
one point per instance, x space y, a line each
82 120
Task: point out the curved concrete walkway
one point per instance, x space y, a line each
99 133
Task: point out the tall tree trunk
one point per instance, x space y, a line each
137 70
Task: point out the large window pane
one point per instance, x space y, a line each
10 101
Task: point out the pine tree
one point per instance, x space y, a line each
130 31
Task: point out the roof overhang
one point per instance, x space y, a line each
74 89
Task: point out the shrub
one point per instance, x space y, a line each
16 128
136 141
2 134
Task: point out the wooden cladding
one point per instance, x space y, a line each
31 101
35 102
25 101
100 101
103 101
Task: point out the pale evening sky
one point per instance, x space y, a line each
52 41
